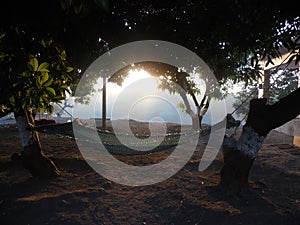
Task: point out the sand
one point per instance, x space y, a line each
82 196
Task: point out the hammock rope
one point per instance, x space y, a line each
112 143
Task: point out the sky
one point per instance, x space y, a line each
139 98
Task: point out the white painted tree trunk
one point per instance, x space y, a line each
24 133
33 159
240 154
249 143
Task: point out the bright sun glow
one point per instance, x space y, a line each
133 76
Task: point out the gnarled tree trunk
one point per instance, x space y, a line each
240 154
32 156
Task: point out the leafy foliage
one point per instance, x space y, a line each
34 72
230 36
282 82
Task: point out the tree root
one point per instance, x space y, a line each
37 163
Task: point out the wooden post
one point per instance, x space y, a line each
296 140
266 84
104 104
260 85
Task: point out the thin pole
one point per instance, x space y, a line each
65 111
104 104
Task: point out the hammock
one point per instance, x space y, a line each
111 141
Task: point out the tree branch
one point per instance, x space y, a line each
263 118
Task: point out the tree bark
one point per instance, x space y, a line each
194 116
201 109
32 156
240 154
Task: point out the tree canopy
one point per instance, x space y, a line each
230 36
34 72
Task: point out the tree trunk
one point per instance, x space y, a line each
194 116
33 159
240 154
201 109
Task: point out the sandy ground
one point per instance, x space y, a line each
81 196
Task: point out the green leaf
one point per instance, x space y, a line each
24 105
181 106
43 43
34 64
63 55
2 35
43 67
44 78
50 91
17 30
38 81
77 9
69 69
48 82
12 100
